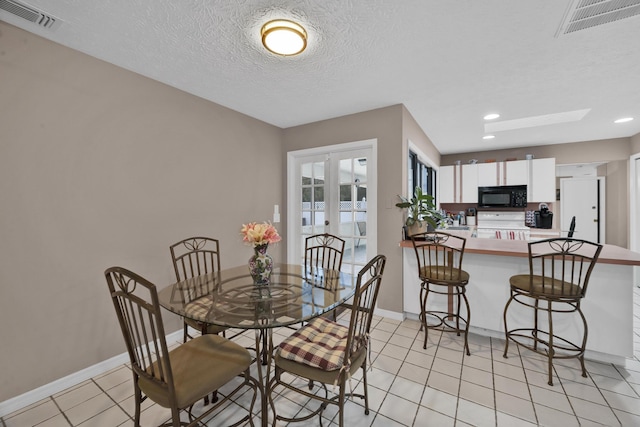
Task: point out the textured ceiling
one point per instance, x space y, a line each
448 62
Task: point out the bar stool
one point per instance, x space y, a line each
559 271
440 271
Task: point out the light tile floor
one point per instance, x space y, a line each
408 386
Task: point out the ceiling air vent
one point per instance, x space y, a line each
584 14
30 14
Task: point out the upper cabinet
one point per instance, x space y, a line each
514 172
542 181
459 183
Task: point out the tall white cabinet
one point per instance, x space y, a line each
459 183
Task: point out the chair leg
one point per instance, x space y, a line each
584 340
550 350
457 310
366 388
506 328
424 293
340 405
466 329
138 402
186 333
535 323
175 416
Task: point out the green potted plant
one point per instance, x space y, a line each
421 212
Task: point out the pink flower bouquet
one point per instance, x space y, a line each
258 234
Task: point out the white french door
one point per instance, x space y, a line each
333 191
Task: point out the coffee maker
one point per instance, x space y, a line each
543 216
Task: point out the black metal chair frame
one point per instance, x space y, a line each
439 256
357 348
323 253
192 257
559 271
138 310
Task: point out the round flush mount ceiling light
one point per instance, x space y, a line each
624 120
488 137
491 116
284 37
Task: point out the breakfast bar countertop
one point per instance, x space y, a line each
610 254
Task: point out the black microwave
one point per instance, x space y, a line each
503 196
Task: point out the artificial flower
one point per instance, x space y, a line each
259 234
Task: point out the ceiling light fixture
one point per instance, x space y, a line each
284 37
491 116
488 137
624 120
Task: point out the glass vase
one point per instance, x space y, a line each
260 265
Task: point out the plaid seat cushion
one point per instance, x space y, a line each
321 343
198 309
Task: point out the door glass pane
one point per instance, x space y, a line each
333 198
312 197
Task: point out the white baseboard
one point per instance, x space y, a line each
390 314
15 403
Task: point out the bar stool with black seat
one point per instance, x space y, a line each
439 257
559 271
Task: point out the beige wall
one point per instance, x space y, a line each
100 167
384 125
615 152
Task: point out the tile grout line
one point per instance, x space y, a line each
61 411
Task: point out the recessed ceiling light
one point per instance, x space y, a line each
284 37
624 120
488 137
491 116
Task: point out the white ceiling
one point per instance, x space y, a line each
448 62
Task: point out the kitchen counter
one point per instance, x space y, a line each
608 305
610 254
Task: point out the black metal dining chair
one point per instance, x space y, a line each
174 379
192 257
328 353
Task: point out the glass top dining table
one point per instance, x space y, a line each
230 298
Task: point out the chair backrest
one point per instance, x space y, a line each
364 302
439 255
322 253
195 256
572 227
561 266
136 303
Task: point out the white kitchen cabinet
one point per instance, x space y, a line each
542 181
516 172
489 174
469 184
458 184
446 183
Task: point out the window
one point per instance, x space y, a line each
421 175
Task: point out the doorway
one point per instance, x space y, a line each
333 190
583 198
